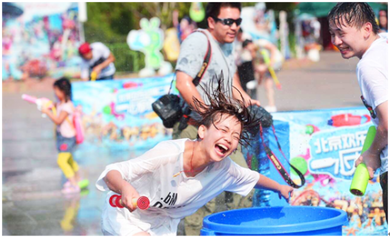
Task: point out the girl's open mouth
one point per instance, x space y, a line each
221 149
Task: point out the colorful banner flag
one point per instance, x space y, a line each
118 113
323 145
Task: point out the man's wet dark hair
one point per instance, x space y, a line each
220 104
353 14
213 9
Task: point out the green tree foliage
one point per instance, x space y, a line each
110 23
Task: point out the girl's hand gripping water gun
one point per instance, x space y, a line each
40 102
141 202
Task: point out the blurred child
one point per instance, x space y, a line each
383 21
66 134
261 69
180 176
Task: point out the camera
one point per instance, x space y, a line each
168 109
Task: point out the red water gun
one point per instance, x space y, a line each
141 202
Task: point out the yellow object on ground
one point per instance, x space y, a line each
69 217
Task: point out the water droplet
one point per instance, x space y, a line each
173 183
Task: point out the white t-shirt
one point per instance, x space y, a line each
100 53
221 63
66 128
372 73
171 198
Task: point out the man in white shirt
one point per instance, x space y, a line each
98 62
354 32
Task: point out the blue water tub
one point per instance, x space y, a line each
288 221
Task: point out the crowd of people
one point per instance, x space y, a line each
204 158
218 73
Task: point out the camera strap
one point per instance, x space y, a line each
275 161
196 81
204 66
206 61
170 108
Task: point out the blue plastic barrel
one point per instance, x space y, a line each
289 220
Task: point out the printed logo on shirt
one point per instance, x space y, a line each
369 108
169 200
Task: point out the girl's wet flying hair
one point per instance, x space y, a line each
64 85
219 104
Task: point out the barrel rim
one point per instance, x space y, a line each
339 220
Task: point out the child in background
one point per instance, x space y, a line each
383 21
66 134
261 70
180 176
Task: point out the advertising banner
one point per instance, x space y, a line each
323 145
117 114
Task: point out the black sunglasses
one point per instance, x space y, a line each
228 21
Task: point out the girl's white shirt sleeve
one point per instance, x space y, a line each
137 167
244 179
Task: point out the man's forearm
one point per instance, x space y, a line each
109 60
380 141
186 88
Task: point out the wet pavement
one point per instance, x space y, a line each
32 201
330 83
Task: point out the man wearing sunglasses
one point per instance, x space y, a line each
223 25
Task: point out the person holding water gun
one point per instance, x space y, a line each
266 59
65 133
98 62
180 176
355 33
